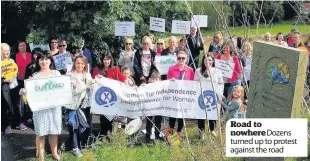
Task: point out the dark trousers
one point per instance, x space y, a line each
18 110
105 125
172 123
6 114
157 121
74 135
201 124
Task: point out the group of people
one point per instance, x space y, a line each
135 68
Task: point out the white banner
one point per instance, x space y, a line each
124 28
164 62
200 20
157 24
48 92
181 27
227 68
171 98
63 61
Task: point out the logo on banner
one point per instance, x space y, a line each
207 100
105 97
50 85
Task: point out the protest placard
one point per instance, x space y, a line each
171 98
200 20
227 68
124 28
63 61
164 62
41 46
181 27
48 92
9 69
157 24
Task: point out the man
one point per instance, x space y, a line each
296 40
195 46
62 49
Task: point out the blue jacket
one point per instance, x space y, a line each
78 120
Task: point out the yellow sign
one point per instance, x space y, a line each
9 69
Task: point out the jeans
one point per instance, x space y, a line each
149 125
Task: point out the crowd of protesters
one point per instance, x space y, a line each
135 67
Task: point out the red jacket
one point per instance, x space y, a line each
113 73
237 69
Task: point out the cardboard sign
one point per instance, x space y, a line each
181 27
124 28
63 61
164 62
227 68
9 69
41 46
157 24
200 20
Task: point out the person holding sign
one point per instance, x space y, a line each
195 45
8 88
180 71
82 82
126 56
62 46
47 121
228 57
216 45
206 73
144 62
106 69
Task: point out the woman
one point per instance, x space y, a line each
8 96
227 55
30 67
279 39
144 62
53 47
205 73
217 43
160 46
126 57
106 69
47 121
172 49
23 58
182 47
180 71
82 81
247 51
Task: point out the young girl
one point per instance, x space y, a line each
129 80
234 104
155 76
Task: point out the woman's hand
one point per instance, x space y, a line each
142 78
220 102
22 91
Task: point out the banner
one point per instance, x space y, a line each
157 24
164 62
48 92
9 69
227 68
171 98
41 46
63 61
200 20
124 28
181 27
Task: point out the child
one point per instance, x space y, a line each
155 76
129 80
234 104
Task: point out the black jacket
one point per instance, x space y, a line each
29 70
138 67
167 52
195 50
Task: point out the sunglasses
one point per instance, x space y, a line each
181 58
61 46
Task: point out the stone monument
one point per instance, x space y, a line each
277 83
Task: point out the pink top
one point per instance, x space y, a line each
22 64
237 69
174 72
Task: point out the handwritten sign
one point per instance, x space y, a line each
181 27
63 61
124 28
227 68
44 93
9 69
157 24
164 62
41 46
200 20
